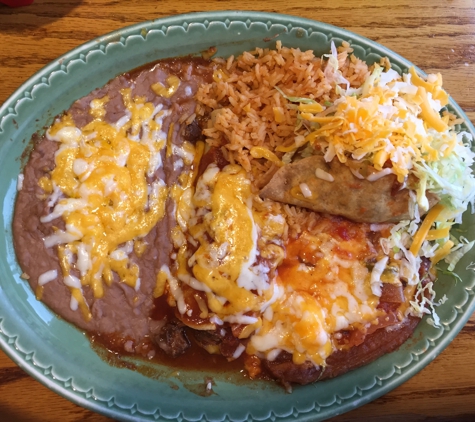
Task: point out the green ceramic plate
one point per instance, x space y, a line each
60 356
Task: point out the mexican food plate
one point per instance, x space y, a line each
233 244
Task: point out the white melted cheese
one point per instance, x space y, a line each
19 183
68 135
84 262
175 290
64 206
72 281
306 192
47 277
54 197
376 283
240 319
60 237
73 304
321 174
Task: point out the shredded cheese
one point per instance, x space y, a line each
442 252
421 234
173 84
306 192
47 277
428 113
322 174
261 152
438 233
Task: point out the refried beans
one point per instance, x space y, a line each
122 312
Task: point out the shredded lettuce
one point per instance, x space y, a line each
332 72
458 252
371 80
450 178
301 100
425 303
287 157
398 243
308 151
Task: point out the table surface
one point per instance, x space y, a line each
438 36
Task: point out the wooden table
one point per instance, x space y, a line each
438 36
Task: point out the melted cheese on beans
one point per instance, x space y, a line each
99 187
